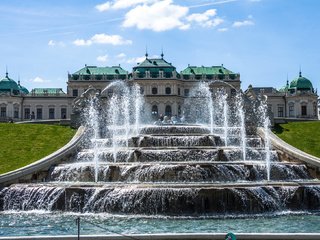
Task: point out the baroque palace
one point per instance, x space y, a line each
164 88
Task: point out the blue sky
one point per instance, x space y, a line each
263 40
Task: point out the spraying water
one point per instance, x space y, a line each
239 103
265 123
124 111
223 108
139 102
95 127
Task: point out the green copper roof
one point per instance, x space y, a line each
46 91
284 88
93 70
154 62
214 70
8 84
154 65
23 89
301 83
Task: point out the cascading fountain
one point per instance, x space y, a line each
207 167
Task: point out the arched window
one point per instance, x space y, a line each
291 109
168 90
179 92
3 110
168 111
303 110
154 90
154 110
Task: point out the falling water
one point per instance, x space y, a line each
239 102
126 109
94 125
113 112
221 97
225 118
138 100
208 104
199 107
265 123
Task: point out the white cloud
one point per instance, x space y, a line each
243 23
205 19
39 80
121 55
121 4
223 29
81 42
103 58
136 60
102 39
159 16
53 43
103 7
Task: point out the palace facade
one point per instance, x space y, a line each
297 100
165 90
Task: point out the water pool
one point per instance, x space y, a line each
45 223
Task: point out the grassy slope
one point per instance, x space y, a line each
303 135
22 144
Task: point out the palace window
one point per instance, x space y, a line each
63 113
27 113
186 92
3 112
303 110
154 90
75 92
154 110
168 111
39 113
168 90
291 110
179 92
51 113
280 111
16 112
233 92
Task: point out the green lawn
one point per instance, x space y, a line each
303 135
22 144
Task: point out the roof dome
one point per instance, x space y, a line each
301 83
7 85
23 89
